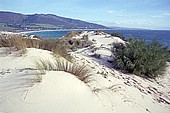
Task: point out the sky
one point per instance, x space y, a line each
148 14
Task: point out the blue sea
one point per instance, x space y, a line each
163 36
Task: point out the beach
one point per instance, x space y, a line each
108 90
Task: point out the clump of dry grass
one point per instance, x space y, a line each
61 51
38 77
45 65
32 43
48 44
61 64
72 34
19 44
5 42
80 71
58 46
42 66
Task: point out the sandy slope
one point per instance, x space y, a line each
61 92
58 92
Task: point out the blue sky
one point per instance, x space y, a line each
150 14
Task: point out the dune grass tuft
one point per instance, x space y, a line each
80 71
19 43
44 65
61 51
38 77
61 64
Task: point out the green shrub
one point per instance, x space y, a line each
140 58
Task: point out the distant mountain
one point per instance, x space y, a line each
17 21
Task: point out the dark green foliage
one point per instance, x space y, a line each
118 35
140 58
96 55
169 57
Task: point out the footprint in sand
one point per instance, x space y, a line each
4 71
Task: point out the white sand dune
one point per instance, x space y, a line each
58 92
61 92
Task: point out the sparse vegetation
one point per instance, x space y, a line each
59 47
96 55
118 35
61 51
38 77
80 71
21 42
48 44
140 58
60 64
72 34
44 65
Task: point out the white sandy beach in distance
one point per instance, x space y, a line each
60 92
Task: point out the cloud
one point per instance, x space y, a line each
155 4
161 14
157 16
110 11
152 2
107 23
166 13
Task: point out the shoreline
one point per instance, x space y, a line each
87 30
64 30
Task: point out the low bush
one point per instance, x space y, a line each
118 35
140 58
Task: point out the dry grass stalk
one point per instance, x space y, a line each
80 71
48 44
61 51
19 44
44 65
38 77
60 64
